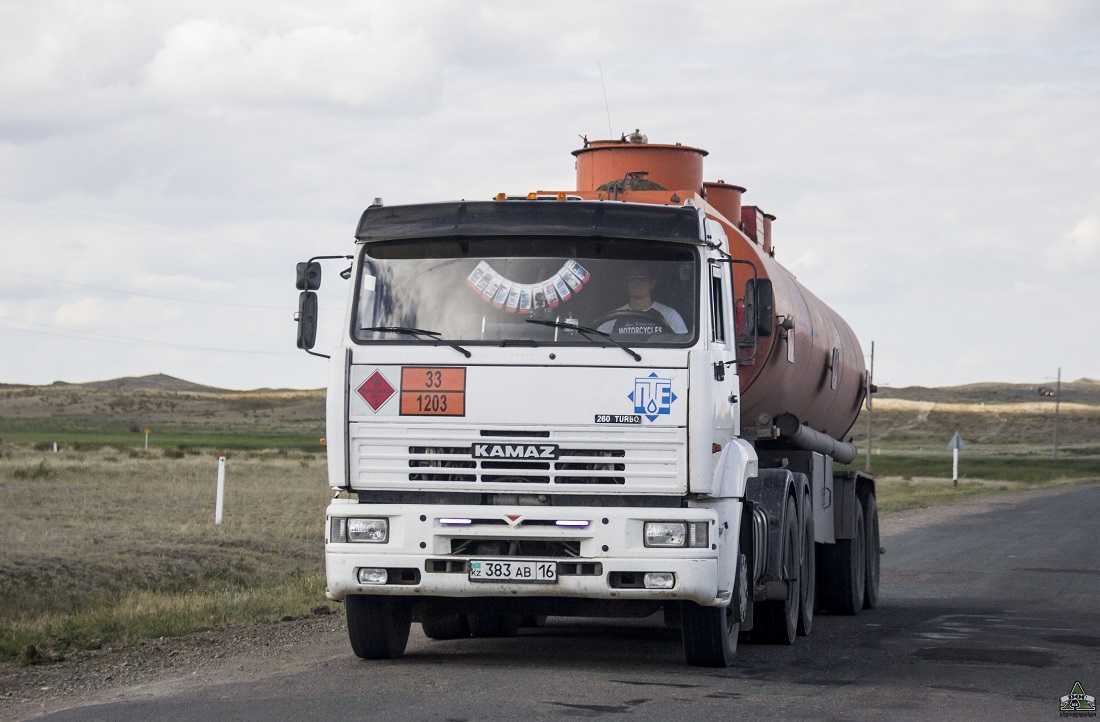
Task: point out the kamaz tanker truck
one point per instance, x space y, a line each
605 401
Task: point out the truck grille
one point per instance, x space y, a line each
586 466
643 459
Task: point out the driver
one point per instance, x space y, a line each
639 288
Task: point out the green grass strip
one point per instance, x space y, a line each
1031 470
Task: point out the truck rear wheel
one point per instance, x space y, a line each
710 633
776 622
446 626
378 627
845 569
807 570
871 553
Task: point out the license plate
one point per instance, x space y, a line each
513 570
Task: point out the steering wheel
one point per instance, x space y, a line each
627 318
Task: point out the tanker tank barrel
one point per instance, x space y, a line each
843 452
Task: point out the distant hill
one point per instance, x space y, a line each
1081 391
161 401
153 382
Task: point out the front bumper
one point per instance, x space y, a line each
426 553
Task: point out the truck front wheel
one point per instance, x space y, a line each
378 627
710 633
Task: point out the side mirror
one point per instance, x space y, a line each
760 306
309 276
307 317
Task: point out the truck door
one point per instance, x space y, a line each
722 352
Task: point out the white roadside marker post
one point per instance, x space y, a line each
221 489
955 444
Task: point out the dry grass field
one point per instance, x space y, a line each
169 406
1022 426
110 544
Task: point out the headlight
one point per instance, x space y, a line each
677 534
371 531
665 533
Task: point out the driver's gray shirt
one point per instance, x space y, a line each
671 315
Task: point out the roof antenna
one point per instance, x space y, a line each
610 133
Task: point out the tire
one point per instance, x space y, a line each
872 554
446 626
845 570
493 624
807 573
710 633
378 627
776 622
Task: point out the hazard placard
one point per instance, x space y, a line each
376 390
433 391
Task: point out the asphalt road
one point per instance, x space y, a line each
990 610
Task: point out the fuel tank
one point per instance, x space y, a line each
810 366
805 360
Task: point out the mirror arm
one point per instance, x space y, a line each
303 282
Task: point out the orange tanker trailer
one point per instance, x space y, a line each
801 359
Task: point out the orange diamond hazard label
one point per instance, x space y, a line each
376 391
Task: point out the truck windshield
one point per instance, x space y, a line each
484 290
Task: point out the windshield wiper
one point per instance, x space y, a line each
419 332
584 331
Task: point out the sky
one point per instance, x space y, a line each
934 166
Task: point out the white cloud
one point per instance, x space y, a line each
82 314
800 26
215 62
1078 249
807 260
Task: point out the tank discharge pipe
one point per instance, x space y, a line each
806 438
